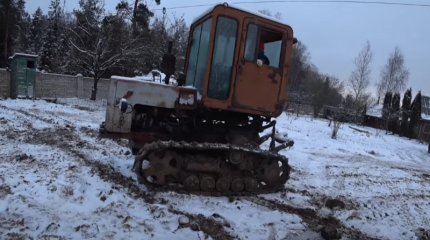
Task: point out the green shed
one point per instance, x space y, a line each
23 75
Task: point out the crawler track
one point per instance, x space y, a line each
211 169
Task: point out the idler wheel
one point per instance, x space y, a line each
223 184
236 157
192 183
237 185
251 184
207 183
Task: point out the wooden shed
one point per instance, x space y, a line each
373 117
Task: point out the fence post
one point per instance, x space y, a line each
80 85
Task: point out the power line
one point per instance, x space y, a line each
308 1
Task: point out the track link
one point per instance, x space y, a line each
211 169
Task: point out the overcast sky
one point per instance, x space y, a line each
335 32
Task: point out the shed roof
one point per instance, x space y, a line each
25 55
375 111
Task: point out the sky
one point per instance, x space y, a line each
333 32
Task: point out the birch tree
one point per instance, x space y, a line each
359 79
394 74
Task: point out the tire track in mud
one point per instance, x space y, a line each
314 221
63 137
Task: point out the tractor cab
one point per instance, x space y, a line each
223 64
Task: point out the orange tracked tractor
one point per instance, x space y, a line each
202 135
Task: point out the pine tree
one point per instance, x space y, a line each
406 105
415 115
37 30
10 19
50 49
387 105
395 113
22 41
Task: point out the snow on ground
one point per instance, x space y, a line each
57 179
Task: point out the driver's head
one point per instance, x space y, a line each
261 46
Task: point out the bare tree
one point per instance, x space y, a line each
336 125
267 12
299 64
335 121
96 49
394 75
359 79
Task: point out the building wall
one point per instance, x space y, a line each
49 85
4 83
374 122
424 131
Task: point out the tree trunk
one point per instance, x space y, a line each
6 33
387 122
94 89
134 20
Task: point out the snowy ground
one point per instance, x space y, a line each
58 180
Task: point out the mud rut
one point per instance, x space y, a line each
65 137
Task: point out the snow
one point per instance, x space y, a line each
204 13
186 99
283 137
58 179
375 111
159 78
24 55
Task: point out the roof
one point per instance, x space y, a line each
375 111
425 107
24 55
238 8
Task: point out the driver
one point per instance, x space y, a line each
261 54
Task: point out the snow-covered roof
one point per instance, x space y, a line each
375 111
25 55
425 107
204 13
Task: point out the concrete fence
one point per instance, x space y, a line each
49 85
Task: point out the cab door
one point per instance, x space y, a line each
258 88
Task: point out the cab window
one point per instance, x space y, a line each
222 58
199 50
251 43
272 41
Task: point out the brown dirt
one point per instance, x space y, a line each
211 226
